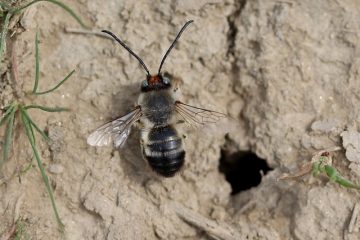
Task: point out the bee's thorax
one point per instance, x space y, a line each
157 107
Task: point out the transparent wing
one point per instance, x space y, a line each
115 131
120 139
197 116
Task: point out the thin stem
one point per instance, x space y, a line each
3 34
41 132
8 136
37 63
60 4
6 114
57 86
47 109
31 137
27 168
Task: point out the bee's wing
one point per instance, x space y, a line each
120 139
115 131
197 116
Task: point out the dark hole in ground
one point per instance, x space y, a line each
242 169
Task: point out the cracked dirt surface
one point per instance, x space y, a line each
286 73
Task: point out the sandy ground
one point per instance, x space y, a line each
286 73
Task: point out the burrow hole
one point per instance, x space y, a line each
242 169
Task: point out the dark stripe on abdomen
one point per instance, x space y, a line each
164 151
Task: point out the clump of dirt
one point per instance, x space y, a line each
284 71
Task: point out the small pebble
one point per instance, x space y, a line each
56 168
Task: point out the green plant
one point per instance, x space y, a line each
323 166
7 11
20 111
321 163
20 232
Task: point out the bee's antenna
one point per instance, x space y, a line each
173 44
129 50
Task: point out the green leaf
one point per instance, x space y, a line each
8 136
335 176
48 109
37 63
42 133
20 231
30 134
57 86
5 115
3 34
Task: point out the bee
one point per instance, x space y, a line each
157 113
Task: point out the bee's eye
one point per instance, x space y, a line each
144 84
166 80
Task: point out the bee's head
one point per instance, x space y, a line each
155 82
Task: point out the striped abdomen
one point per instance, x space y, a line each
163 150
